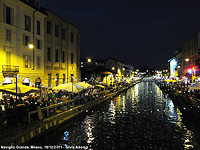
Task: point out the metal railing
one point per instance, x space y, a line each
10 70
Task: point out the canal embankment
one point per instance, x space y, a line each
63 112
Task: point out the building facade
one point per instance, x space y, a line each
55 57
92 68
191 55
21 24
62 51
179 58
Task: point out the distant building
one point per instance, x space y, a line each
191 55
119 69
93 68
179 58
109 71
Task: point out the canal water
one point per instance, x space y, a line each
141 118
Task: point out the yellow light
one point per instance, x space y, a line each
31 46
123 68
187 59
113 68
89 60
179 66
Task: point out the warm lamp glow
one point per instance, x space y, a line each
31 46
113 68
187 59
89 60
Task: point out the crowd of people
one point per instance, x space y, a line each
181 92
12 104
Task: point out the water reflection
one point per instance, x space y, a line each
141 118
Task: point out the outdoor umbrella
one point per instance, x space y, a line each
85 84
73 87
21 89
100 86
170 80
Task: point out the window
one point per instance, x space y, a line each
63 57
38 27
8 15
57 79
48 27
48 54
72 37
72 58
27 23
49 80
39 44
27 61
8 35
56 56
26 40
63 78
63 34
38 62
8 58
56 30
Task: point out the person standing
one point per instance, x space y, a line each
11 101
6 103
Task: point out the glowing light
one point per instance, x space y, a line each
187 59
113 68
189 71
31 46
7 81
89 60
193 69
26 80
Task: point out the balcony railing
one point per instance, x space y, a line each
10 70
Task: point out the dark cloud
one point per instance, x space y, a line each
138 32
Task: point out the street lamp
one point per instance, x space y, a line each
89 60
31 46
187 59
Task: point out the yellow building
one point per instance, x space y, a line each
55 57
22 23
62 51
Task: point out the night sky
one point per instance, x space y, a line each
136 32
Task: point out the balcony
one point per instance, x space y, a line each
10 70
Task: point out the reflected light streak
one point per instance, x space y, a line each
88 129
112 112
